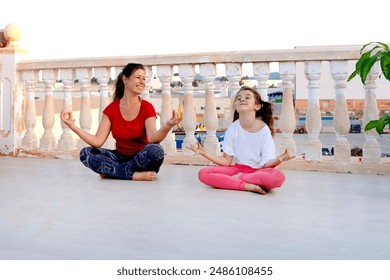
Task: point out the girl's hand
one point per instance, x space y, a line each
67 118
285 156
174 120
197 148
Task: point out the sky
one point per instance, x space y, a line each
75 28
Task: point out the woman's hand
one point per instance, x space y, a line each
67 118
174 120
285 156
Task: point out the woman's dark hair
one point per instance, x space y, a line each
265 113
127 71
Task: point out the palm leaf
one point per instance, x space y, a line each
366 66
385 65
358 65
367 61
370 125
379 125
385 47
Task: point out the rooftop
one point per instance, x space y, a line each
58 209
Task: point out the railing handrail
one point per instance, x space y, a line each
300 54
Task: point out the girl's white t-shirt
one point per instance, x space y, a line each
253 149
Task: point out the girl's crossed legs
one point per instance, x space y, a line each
247 178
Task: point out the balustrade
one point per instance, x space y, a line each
18 131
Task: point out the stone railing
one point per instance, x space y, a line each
32 90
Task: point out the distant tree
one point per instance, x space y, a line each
176 84
224 79
241 83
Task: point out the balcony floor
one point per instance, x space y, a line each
58 209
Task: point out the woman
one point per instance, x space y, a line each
132 121
249 155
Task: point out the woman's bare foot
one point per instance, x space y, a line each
254 188
144 176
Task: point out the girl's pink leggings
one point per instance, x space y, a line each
223 177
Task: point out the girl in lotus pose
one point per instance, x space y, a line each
132 121
249 158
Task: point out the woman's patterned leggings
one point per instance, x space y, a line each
120 166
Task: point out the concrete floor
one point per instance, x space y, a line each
58 209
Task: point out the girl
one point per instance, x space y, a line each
248 162
132 121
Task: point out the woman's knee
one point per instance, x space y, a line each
155 151
84 152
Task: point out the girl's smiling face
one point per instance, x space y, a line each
244 101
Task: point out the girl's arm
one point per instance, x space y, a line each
96 140
285 156
156 136
224 160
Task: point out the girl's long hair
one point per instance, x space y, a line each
129 69
265 113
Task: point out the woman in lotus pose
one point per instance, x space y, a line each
132 121
249 158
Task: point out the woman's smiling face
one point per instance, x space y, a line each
136 81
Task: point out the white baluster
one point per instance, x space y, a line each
313 114
30 141
84 77
66 141
47 142
261 73
164 73
187 74
287 121
148 76
342 149
210 117
234 74
371 147
102 74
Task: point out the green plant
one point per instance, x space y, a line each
378 52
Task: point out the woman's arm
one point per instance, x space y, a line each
156 136
224 160
96 140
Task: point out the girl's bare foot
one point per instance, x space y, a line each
254 188
144 176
